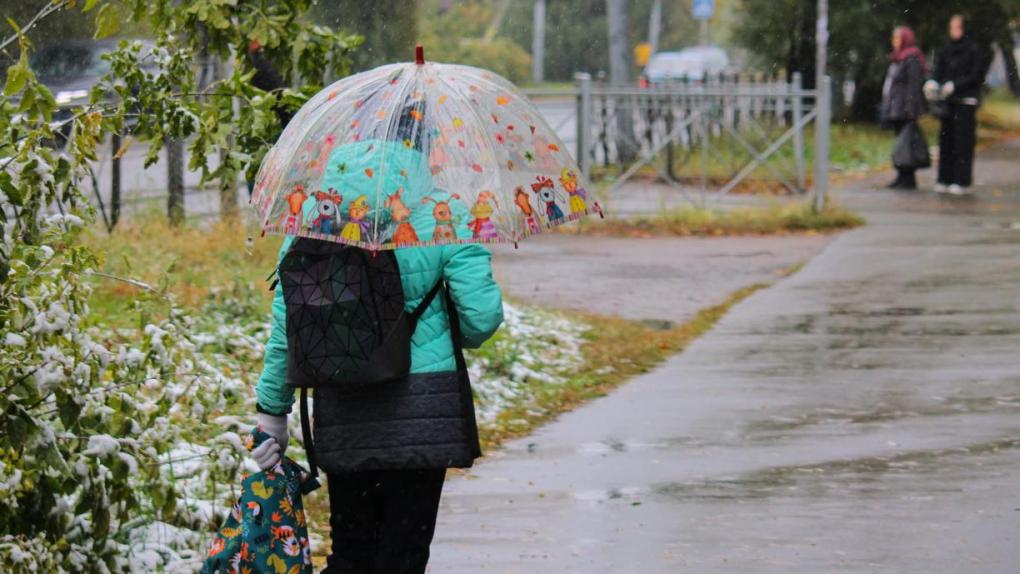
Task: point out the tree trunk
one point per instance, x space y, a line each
175 180
800 56
1012 75
115 181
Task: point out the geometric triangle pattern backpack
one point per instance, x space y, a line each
346 324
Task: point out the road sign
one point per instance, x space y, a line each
642 52
703 9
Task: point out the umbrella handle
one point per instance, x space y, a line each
419 55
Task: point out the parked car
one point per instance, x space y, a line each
690 64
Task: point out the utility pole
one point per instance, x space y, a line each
655 25
702 11
824 102
619 75
538 43
619 66
821 41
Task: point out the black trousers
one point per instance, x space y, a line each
956 145
382 521
905 177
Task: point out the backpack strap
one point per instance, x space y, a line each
306 434
425 303
468 404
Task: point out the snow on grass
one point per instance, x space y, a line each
533 345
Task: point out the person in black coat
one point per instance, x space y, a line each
959 74
902 93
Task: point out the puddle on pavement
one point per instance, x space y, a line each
844 422
628 494
602 448
878 325
848 478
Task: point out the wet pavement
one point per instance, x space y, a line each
859 416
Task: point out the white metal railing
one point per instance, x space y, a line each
623 129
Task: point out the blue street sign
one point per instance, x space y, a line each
703 9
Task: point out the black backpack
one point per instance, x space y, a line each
346 324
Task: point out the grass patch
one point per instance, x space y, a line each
999 115
774 219
192 263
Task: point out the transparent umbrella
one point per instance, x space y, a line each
419 154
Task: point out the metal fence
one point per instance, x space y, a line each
704 138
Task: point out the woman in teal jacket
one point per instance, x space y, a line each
385 452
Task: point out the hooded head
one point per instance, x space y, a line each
365 173
905 46
957 27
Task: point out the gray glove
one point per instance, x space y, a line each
271 451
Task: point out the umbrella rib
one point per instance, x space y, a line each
382 156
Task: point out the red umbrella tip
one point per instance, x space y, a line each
419 55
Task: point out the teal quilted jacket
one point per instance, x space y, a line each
466 269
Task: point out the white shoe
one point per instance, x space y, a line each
941 188
958 190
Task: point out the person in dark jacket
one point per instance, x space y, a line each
959 74
902 92
267 79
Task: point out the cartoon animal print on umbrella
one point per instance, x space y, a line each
522 201
358 225
578 195
293 219
546 191
327 212
444 230
482 226
400 213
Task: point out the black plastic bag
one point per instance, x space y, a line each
911 149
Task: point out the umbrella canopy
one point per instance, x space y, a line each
419 154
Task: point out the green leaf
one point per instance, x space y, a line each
107 21
12 192
89 4
17 76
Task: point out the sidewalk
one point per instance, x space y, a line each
860 416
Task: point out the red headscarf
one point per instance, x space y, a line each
908 47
